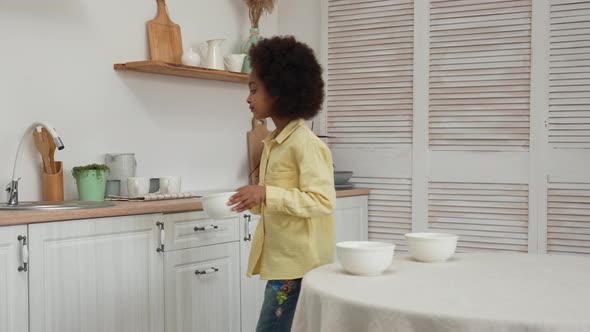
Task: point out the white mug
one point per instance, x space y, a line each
138 186
169 184
234 62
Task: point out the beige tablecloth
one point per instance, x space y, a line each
471 292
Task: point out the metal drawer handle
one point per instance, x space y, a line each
247 220
24 253
206 228
207 271
162 236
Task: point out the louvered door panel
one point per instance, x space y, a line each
568 218
390 208
480 75
569 74
486 216
370 56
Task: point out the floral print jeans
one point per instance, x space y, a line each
278 308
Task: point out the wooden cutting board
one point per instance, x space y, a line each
255 146
164 37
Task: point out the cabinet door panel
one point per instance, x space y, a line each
14 310
97 275
350 219
209 301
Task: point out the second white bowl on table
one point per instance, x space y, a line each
431 247
366 258
216 207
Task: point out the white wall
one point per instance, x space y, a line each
57 66
302 19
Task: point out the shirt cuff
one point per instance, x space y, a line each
274 198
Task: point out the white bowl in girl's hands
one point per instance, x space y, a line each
367 258
216 207
431 247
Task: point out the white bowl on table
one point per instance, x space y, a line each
431 247
216 207
366 258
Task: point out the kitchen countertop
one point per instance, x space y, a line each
22 217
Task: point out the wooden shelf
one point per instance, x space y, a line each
164 68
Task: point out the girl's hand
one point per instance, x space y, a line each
247 197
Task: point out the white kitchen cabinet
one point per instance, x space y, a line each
14 311
252 289
350 218
127 274
97 275
202 273
203 288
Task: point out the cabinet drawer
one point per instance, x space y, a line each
195 229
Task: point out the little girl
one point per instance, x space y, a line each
295 196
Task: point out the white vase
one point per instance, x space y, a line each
191 58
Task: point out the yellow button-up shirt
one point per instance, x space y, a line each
296 230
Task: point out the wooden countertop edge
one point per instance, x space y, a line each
9 218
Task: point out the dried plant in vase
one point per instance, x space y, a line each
258 7
255 10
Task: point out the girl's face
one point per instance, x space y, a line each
260 101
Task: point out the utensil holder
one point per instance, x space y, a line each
53 184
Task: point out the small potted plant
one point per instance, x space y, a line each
91 181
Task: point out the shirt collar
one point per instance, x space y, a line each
286 132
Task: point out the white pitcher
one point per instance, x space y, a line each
211 54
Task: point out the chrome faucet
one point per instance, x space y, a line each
12 187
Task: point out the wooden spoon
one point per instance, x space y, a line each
47 137
43 148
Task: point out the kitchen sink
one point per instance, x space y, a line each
62 205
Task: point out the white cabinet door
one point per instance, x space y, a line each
97 275
252 289
202 289
14 308
350 219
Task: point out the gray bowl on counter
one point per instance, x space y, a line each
342 177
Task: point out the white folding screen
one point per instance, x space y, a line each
569 75
486 216
369 51
390 208
480 75
568 187
499 93
479 107
568 224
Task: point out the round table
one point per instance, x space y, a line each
471 292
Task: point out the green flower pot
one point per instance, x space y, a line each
92 185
